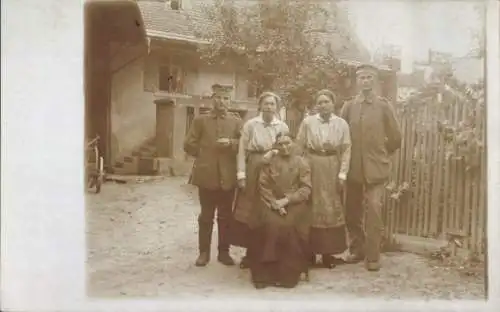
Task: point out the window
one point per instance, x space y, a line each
171 79
257 85
253 89
321 21
204 110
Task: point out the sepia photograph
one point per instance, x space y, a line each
275 149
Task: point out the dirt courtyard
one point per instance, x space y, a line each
142 242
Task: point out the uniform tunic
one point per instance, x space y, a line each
214 168
256 139
328 220
375 135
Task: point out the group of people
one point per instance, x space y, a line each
287 200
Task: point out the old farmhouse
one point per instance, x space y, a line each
146 81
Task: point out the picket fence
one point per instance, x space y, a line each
438 183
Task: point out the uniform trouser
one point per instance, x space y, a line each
365 243
211 201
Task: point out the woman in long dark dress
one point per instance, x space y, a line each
280 242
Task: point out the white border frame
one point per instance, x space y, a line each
43 235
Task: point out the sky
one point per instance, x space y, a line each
415 26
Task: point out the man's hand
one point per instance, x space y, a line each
223 142
242 183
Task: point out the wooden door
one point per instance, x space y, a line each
164 129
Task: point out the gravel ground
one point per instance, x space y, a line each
142 242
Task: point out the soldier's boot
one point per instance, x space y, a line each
374 229
204 242
223 256
372 247
372 260
372 266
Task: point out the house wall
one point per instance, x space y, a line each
198 79
133 114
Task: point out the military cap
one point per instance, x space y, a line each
221 89
366 67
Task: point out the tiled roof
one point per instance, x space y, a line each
187 25
161 21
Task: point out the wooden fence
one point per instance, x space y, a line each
438 183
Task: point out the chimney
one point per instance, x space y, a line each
175 4
178 5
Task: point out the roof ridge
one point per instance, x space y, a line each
192 23
194 9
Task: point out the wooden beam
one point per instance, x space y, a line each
127 55
424 246
199 101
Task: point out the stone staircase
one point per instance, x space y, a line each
142 161
145 161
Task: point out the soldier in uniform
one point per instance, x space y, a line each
213 140
375 136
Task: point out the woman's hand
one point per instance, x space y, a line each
242 183
269 156
279 205
341 186
282 212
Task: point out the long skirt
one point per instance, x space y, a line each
280 248
244 214
328 232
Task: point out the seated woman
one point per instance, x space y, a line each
279 244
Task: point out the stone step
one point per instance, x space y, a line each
126 165
141 161
144 153
171 167
147 149
128 159
147 166
123 171
137 165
